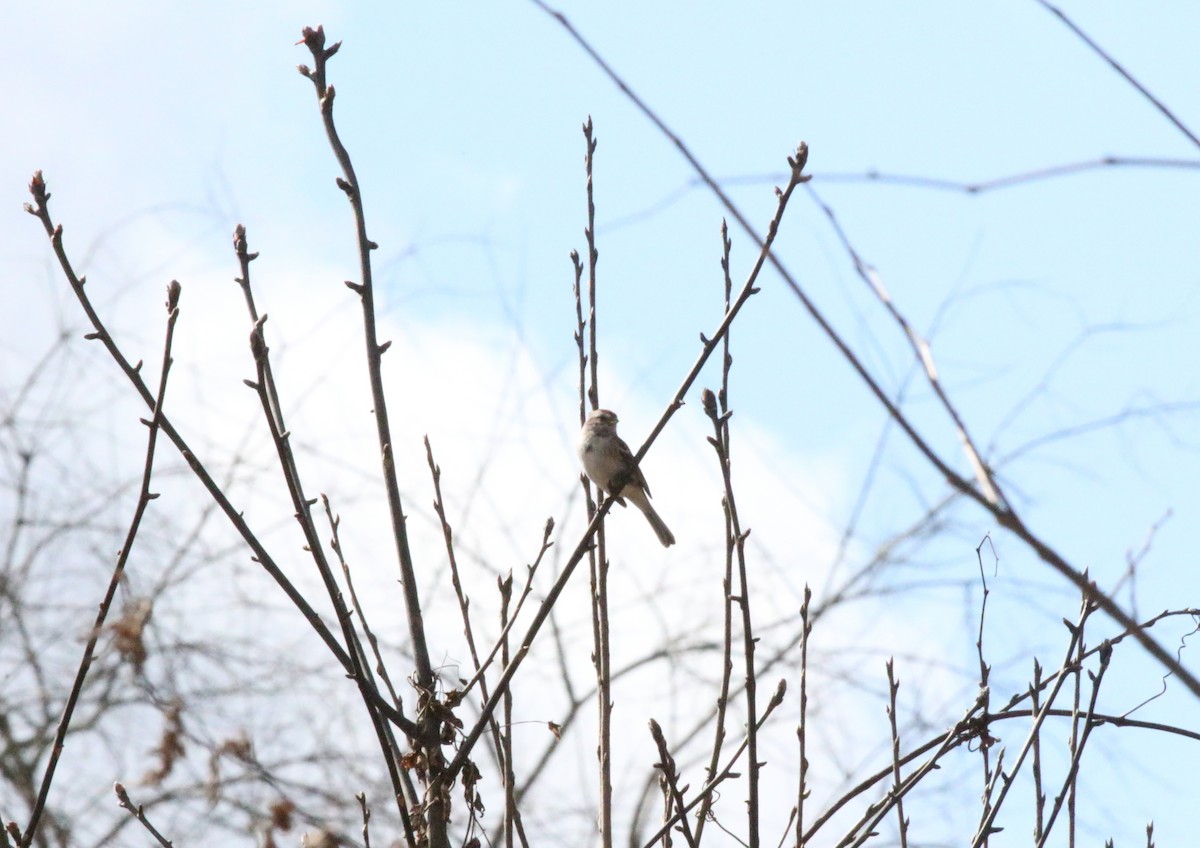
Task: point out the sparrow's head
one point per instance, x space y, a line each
603 420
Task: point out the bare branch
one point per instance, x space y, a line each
139 814
143 501
1116 66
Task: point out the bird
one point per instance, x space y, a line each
606 457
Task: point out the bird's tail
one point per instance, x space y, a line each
660 528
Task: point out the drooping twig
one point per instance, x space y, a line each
153 424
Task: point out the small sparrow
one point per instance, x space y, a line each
605 456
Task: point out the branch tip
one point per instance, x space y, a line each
173 292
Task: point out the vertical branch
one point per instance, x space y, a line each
736 545
668 808
1039 794
361 797
1071 661
802 729
464 603
593 256
437 809
580 329
1089 723
984 677
408 797
1073 745
893 688
135 523
598 558
727 580
501 740
506 751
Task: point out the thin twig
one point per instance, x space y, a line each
893 688
922 354
531 571
335 544
726 773
865 827
1039 794
735 549
974 187
361 797
985 670
501 741
727 580
802 727
140 814
1116 66
1033 738
1089 724
598 557
670 775
464 603
505 749
410 797
153 424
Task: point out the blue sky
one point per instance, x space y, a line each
1051 305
